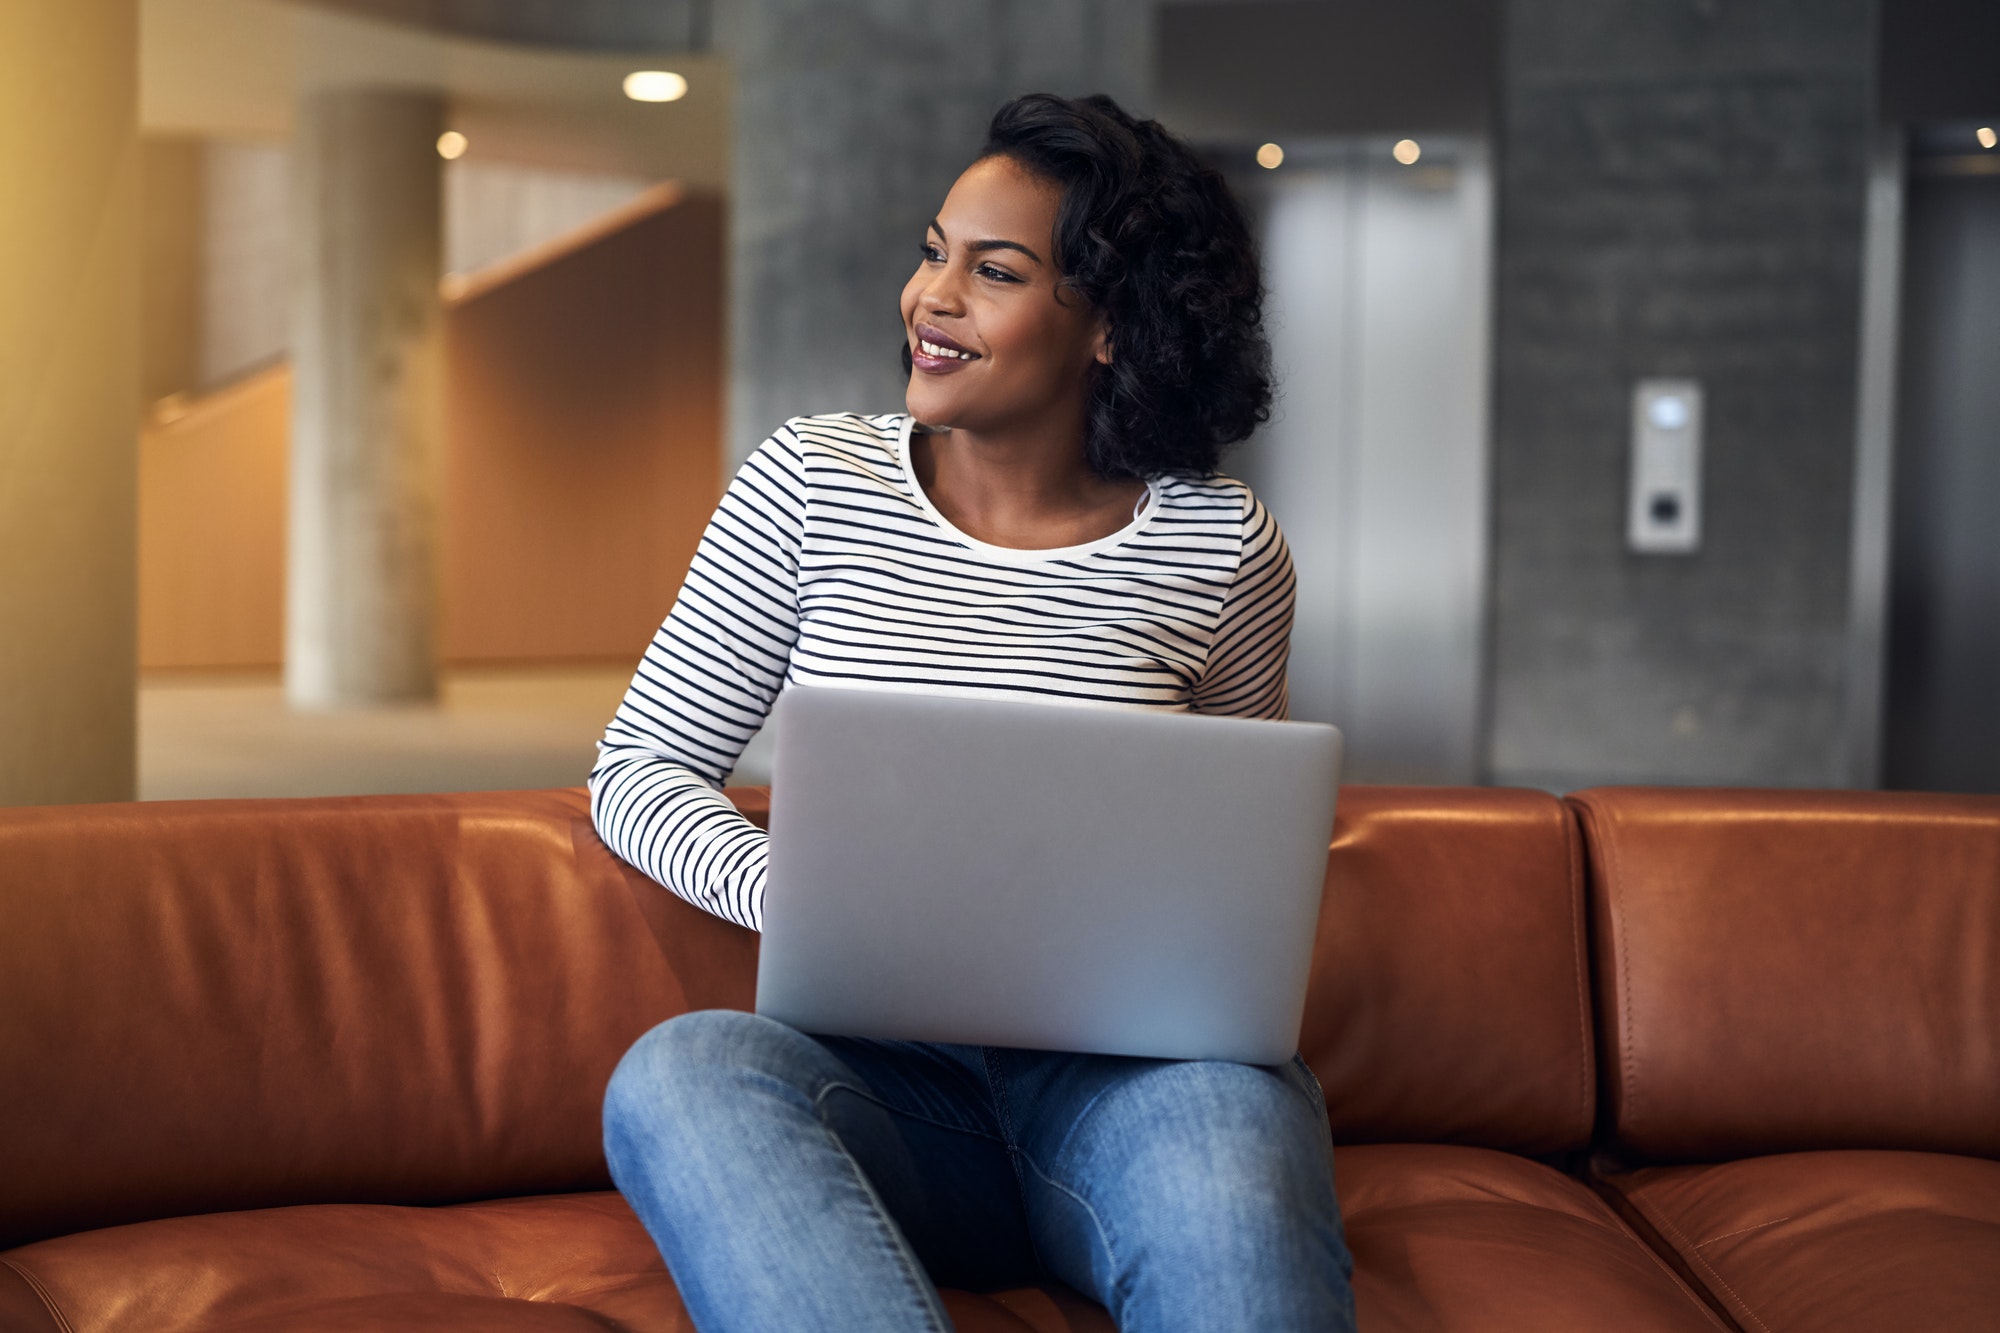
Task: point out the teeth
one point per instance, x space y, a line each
932 349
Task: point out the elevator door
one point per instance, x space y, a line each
1942 725
1375 461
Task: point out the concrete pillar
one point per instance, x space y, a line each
1682 190
69 384
845 143
367 429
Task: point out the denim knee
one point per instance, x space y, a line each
1225 1140
680 1066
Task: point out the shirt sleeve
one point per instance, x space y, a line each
1245 675
703 688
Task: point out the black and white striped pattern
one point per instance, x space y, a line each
826 564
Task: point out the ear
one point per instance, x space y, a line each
1100 342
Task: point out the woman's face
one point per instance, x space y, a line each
994 346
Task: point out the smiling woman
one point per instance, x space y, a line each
1124 216
1002 357
1045 521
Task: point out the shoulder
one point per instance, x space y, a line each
1217 489
1220 504
810 453
1230 519
840 440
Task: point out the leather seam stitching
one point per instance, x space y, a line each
41 1294
1693 1252
1740 1231
1660 1263
1651 1241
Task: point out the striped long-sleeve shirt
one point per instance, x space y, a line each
826 564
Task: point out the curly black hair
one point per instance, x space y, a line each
1152 237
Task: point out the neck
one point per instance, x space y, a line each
1032 469
1029 490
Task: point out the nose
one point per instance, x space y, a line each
943 291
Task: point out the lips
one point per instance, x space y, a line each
937 354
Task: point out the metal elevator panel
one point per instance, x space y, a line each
1375 460
1942 716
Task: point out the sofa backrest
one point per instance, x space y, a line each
1449 999
230 1004
236 1004
1787 970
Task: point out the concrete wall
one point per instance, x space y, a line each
172 217
495 210
215 262
852 121
1681 193
217 256
1284 69
581 24
69 386
246 258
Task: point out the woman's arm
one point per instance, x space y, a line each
1245 676
702 690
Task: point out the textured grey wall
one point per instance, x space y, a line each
853 117
1681 193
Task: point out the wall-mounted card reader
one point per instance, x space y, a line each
1663 511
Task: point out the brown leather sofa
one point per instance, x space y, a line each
1642 1060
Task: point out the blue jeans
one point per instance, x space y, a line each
800 1182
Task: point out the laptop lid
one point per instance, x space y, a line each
1116 880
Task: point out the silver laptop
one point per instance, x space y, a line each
1115 880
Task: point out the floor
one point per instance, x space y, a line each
232 735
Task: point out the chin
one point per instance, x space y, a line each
929 410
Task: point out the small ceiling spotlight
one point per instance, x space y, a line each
451 145
1270 157
655 85
1407 151
1987 138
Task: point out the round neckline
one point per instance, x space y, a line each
1033 555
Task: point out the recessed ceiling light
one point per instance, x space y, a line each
451 145
1407 151
1987 138
1270 156
655 85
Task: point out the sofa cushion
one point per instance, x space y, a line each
540 1265
1451 1238
1448 1000
1834 1242
1781 971
1445 1238
233 1004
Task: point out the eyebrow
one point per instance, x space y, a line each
981 247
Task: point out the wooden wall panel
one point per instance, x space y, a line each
212 529
583 444
583 457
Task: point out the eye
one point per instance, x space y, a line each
997 274
930 252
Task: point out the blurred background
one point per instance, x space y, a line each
368 368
